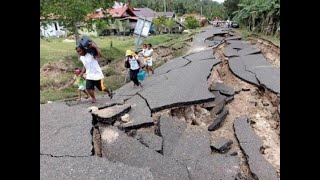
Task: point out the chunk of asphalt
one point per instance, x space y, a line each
230 52
223 88
111 114
222 145
150 140
218 103
171 130
251 144
217 122
139 115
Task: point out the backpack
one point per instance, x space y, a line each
127 64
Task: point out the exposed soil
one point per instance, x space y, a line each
258 104
270 51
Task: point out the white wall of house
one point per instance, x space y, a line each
52 29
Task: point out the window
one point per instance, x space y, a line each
55 25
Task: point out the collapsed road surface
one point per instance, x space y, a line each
211 114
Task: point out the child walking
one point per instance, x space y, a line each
81 82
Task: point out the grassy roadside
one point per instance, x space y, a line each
57 50
245 33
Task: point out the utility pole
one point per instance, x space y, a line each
165 5
201 6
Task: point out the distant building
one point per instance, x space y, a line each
51 27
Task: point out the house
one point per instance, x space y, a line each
50 27
145 12
167 14
122 18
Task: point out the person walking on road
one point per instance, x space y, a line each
148 58
94 75
134 65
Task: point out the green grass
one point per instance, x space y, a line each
114 82
244 33
54 49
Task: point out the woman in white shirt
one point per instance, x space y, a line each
148 58
135 63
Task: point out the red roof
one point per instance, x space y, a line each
121 11
97 14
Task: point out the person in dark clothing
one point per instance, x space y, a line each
135 66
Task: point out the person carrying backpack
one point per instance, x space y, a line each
134 64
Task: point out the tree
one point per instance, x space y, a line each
230 7
159 23
72 12
191 22
170 23
179 8
259 15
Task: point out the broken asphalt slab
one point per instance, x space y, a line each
201 55
139 115
238 44
250 143
268 76
64 130
110 114
248 51
218 120
219 38
218 103
65 168
256 65
233 37
230 52
171 65
117 146
222 145
185 86
171 130
222 88
193 150
238 69
200 38
150 140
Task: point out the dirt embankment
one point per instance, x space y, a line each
270 51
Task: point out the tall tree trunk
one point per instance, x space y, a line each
270 26
76 32
249 23
253 22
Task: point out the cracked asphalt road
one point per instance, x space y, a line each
66 143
